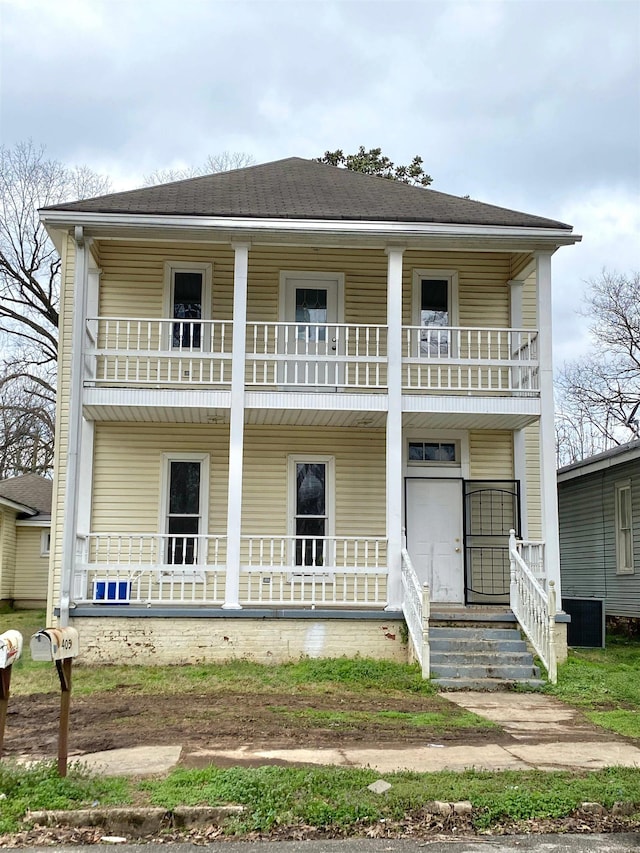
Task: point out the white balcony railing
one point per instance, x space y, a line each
319 355
291 356
469 360
159 569
144 352
534 609
416 606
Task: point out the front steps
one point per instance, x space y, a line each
481 656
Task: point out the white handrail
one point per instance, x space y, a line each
416 606
534 609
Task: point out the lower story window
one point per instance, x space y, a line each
185 509
311 505
624 528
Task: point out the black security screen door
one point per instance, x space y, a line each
187 305
491 510
183 517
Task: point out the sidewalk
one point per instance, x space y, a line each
543 734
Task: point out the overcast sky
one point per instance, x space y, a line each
528 104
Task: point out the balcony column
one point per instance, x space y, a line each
236 428
394 427
519 435
75 429
548 484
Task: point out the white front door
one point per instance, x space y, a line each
434 536
311 315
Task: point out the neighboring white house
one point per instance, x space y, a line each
25 533
265 377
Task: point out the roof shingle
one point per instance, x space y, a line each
29 490
305 189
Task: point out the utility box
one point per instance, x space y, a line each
587 626
10 648
54 644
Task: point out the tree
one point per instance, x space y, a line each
26 427
373 162
30 279
224 162
599 394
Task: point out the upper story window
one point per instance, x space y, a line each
188 302
435 310
624 528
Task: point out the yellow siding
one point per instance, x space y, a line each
491 455
483 293
529 303
359 472
7 552
132 280
518 262
128 469
31 566
532 454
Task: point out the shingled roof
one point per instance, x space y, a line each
305 189
30 490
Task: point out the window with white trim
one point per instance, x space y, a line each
433 452
45 543
624 528
311 511
435 310
184 525
188 302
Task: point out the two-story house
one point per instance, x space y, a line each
268 378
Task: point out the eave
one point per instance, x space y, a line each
105 226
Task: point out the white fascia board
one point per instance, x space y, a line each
586 467
390 230
18 507
33 522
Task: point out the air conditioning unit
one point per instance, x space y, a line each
111 592
587 626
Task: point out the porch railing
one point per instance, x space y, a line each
534 609
470 360
336 355
416 608
346 571
162 569
532 552
143 352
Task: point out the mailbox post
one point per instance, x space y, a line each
61 646
10 651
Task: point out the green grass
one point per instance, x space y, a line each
605 684
40 787
337 798
329 798
433 720
358 675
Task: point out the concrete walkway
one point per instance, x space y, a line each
543 734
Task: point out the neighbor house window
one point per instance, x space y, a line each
624 528
45 543
188 303
185 509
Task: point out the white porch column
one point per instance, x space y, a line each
519 445
394 427
548 484
74 435
236 428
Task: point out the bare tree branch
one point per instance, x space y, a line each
224 162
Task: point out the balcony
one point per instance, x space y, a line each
196 354
147 569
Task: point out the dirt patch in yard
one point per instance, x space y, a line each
226 719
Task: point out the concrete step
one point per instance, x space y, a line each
485 684
474 632
498 669
486 658
461 644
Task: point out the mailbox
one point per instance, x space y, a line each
54 644
10 648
